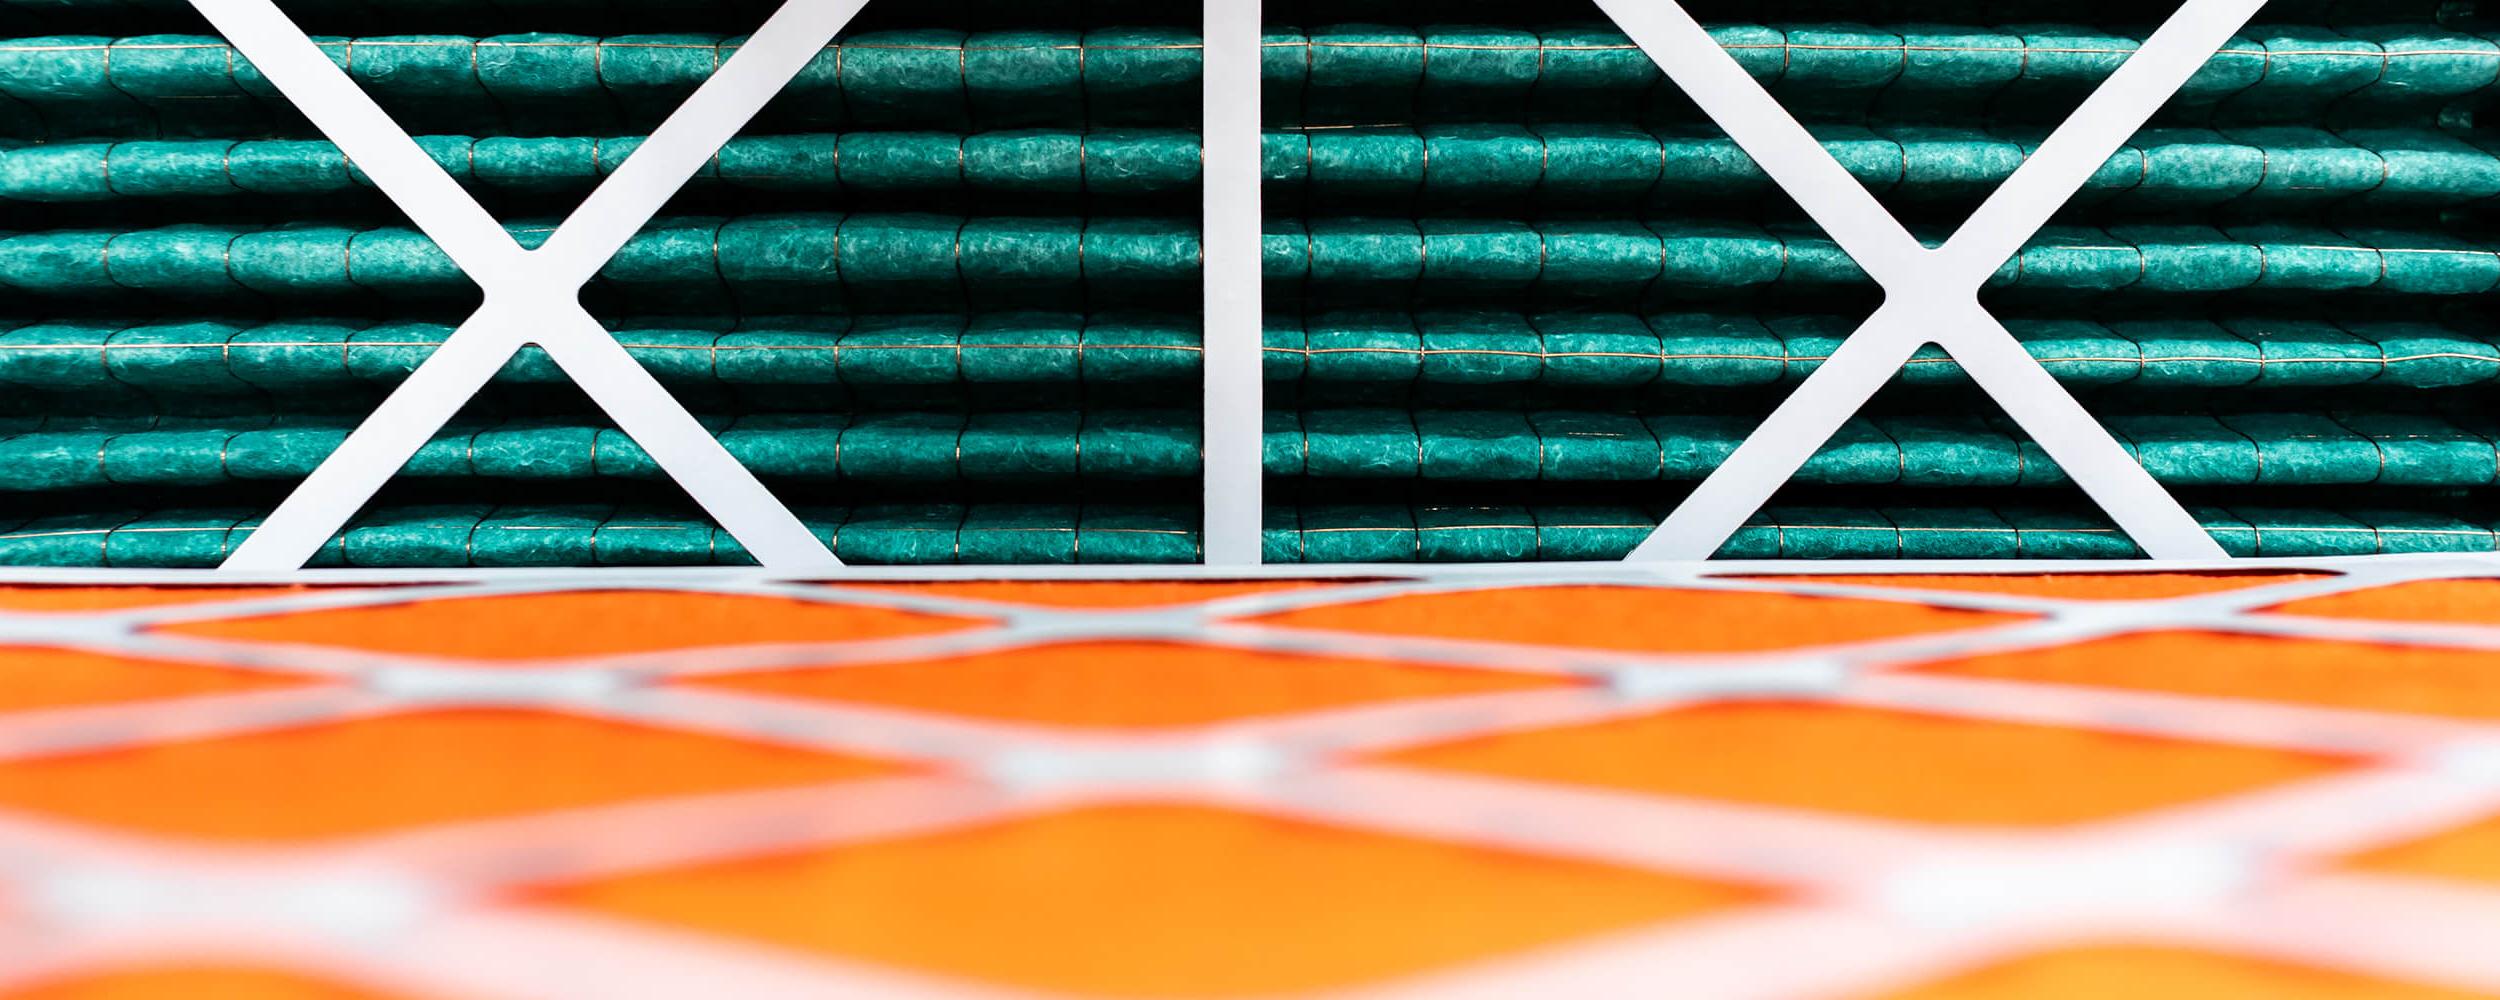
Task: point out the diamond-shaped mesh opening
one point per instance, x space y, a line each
1108 872
1127 684
451 764
2128 966
1808 755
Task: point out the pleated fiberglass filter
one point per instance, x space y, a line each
942 297
1524 293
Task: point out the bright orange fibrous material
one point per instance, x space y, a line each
2470 853
1898 765
580 623
1637 619
2107 972
396 771
37 677
1128 683
1081 794
2466 602
203 982
1157 900
74 598
2072 586
2424 679
1089 594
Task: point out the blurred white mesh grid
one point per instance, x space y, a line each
1867 901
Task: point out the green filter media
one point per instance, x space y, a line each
943 296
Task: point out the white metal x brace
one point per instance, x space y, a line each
1931 295
532 296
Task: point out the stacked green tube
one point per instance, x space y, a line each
1029 73
943 294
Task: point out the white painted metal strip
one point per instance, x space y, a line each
1236 391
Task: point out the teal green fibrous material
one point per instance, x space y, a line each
1631 259
1497 166
525 535
828 259
484 535
1113 163
1596 166
1028 448
101 360
1458 348
1968 452
1494 347
897 449
1023 77
1381 533
1347 72
1591 166
817 258
876 78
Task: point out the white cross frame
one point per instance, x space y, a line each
532 296
1930 295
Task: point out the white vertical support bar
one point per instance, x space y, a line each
1234 331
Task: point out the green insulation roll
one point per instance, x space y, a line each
831 258
1033 75
165 360
1629 258
1597 165
887 449
540 535
1459 166
1490 348
1113 446
559 535
822 259
1343 72
1510 533
100 360
929 77
105 360
1111 163
1966 452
